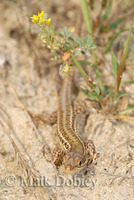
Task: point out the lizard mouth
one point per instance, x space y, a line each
70 170
75 168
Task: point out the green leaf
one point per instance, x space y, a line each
108 11
66 33
88 43
90 95
87 53
86 40
77 40
70 43
114 24
87 18
107 90
124 94
123 112
97 90
51 29
122 62
103 3
129 81
77 52
99 79
115 64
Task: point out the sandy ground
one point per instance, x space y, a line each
26 71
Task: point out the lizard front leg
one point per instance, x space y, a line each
57 156
90 149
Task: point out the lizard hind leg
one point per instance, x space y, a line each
45 117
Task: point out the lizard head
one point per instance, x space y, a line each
74 161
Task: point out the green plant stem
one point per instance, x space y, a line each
86 77
85 11
83 73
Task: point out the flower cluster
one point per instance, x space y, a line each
39 19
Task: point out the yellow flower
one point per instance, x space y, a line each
39 19
34 18
42 21
41 15
47 22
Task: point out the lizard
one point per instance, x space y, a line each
74 154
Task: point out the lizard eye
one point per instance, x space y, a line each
81 163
